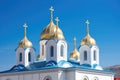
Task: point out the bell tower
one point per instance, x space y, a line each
89 51
53 46
25 51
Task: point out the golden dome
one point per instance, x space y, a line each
52 31
75 53
88 40
25 43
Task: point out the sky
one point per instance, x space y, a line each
103 15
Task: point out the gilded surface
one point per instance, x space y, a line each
88 40
25 43
75 53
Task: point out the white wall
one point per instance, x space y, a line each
91 75
57 74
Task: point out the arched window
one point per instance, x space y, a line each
47 78
29 57
42 49
20 57
8 79
62 50
94 55
85 78
51 51
85 55
95 78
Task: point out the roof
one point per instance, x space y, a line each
43 65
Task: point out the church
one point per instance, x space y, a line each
53 61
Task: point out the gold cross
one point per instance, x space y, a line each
25 26
74 42
87 30
87 22
51 10
57 20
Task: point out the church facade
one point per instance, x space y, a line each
53 62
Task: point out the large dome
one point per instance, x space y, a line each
52 31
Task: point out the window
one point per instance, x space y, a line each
42 49
85 79
62 50
85 55
94 55
47 78
20 57
8 79
95 78
51 51
29 57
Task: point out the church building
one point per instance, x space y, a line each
53 61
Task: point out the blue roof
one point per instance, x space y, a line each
42 65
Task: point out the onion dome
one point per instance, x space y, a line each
75 53
88 40
52 31
25 43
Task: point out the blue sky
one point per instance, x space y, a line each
104 17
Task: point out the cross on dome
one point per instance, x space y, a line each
25 26
74 42
57 20
87 23
51 11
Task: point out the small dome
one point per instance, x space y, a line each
52 31
74 54
25 43
88 40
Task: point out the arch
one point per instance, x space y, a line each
47 78
85 55
94 55
62 50
95 78
29 57
20 57
51 51
85 78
